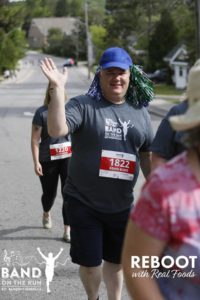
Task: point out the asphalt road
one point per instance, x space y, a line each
21 232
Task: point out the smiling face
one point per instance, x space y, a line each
114 84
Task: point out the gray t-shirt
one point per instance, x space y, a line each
101 125
167 142
40 119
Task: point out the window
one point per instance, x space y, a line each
181 72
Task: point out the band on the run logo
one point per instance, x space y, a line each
24 273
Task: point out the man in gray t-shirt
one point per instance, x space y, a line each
111 135
101 132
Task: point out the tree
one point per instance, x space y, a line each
12 48
121 21
96 12
76 7
69 46
99 35
184 19
162 41
11 17
54 40
129 23
37 8
62 8
13 43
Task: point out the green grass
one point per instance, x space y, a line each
169 93
168 90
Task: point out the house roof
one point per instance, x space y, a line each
67 24
177 55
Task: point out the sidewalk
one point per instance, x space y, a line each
24 70
162 103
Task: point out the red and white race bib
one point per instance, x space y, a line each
60 151
117 165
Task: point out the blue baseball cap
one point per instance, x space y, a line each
115 57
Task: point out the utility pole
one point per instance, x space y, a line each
197 4
89 42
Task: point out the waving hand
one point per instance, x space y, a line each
51 72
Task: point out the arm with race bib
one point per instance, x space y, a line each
56 109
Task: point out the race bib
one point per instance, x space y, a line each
60 151
118 165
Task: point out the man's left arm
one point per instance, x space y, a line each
145 163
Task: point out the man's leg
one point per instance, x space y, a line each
86 244
113 278
91 279
112 246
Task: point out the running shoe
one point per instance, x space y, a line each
46 221
66 237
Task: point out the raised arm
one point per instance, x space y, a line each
61 250
43 256
56 109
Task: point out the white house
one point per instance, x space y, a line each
177 60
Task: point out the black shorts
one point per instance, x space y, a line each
95 235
